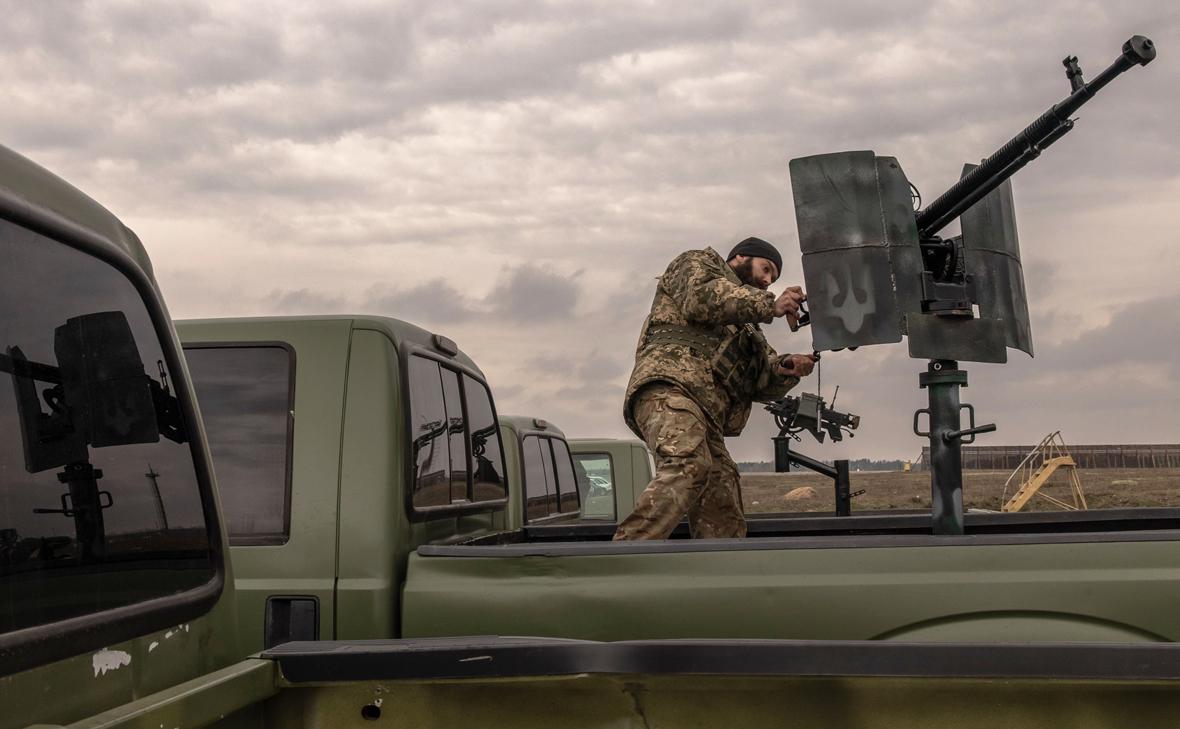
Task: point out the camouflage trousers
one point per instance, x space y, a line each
694 473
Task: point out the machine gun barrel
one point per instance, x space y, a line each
1028 144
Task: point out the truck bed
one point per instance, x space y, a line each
1100 576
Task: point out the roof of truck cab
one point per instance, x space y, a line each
28 191
229 329
603 442
527 425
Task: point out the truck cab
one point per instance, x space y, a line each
543 485
342 443
616 472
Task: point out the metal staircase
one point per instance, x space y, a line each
1034 471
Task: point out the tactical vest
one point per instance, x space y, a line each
736 354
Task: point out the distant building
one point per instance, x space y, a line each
1006 458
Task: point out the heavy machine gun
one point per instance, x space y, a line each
876 268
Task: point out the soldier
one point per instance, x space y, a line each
701 361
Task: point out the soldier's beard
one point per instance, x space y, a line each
745 271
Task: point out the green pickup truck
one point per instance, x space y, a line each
321 520
343 443
117 597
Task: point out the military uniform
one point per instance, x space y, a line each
701 361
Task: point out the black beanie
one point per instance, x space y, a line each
760 248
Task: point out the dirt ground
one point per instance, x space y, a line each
1104 488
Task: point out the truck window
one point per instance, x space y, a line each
567 483
539 497
100 502
429 430
597 483
549 481
457 454
246 397
486 450
456 434
550 475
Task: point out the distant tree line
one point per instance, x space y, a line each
858 464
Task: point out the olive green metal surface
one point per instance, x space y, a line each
25 180
1101 591
231 697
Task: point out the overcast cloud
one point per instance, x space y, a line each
516 174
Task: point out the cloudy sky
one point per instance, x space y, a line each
516 174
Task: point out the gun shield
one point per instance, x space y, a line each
993 263
864 270
856 228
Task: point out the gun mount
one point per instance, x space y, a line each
808 412
876 269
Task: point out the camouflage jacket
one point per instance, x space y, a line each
702 334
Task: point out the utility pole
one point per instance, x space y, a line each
152 476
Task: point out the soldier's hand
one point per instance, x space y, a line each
787 304
795 365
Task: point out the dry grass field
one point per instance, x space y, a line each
1105 488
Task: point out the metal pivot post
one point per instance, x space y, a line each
942 380
782 453
84 503
843 489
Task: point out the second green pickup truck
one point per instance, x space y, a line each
343 443
329 480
